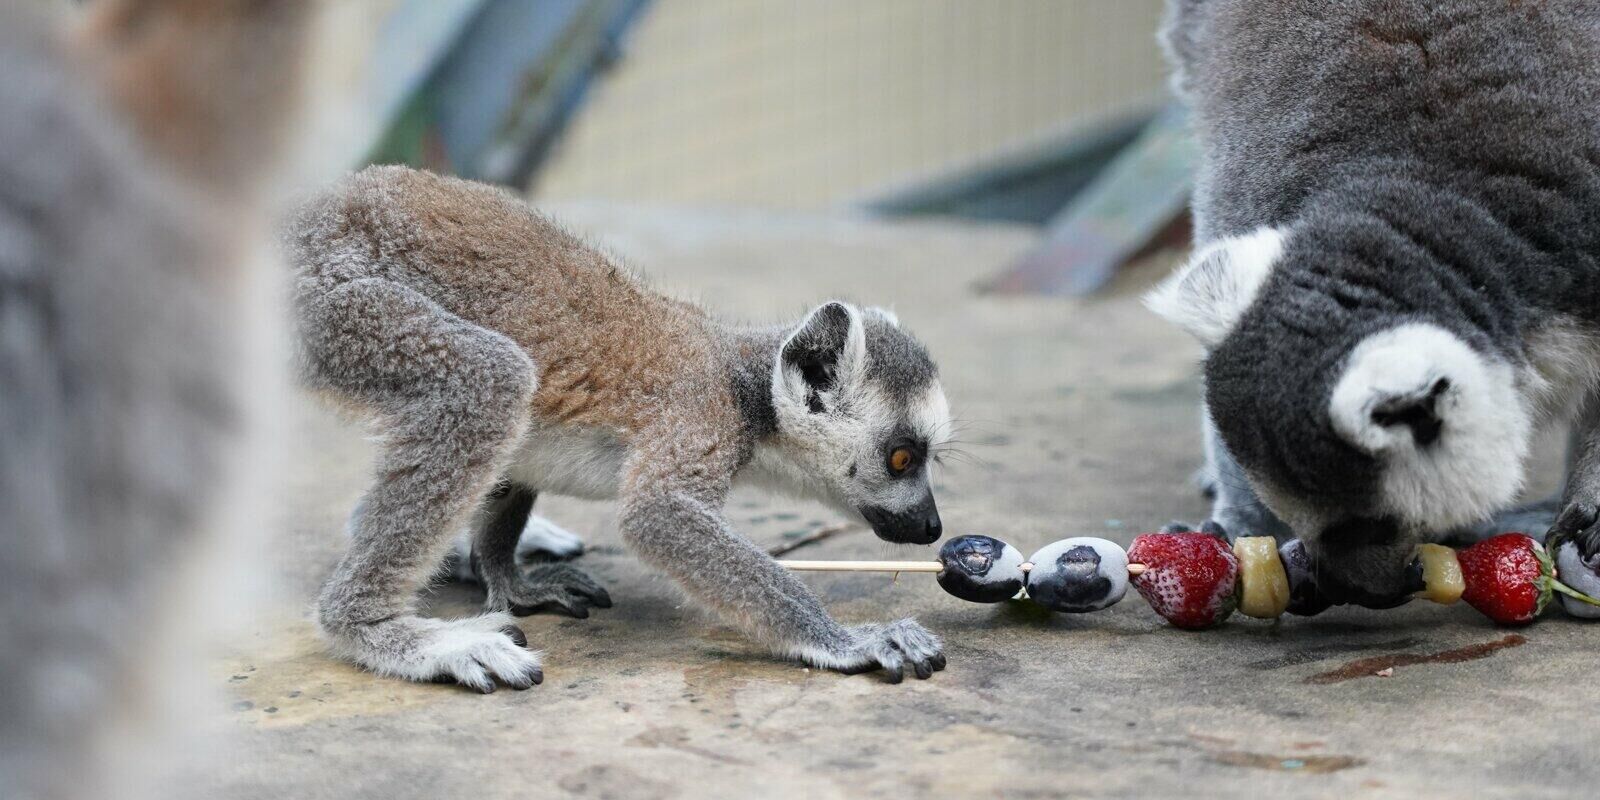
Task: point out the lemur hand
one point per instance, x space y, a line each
1580 522
890 647
1210 526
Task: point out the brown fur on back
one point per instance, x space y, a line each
609 352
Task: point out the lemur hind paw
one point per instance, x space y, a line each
543 540
560 588
477 652
891 647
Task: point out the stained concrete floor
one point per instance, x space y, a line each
1079 418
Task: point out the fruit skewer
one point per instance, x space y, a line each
1134 570
1196 580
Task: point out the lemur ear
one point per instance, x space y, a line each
885 314
827 350
1208 295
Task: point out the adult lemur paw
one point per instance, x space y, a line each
560 588
1574 545
1210 526
891 647
1579 522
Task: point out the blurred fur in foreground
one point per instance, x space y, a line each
136 325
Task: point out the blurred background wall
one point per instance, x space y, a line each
1047 113
806 105
1040 112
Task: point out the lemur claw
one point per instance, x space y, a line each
558 588
1574 518
1210 526
1579 522
478 653
891 648
1589 543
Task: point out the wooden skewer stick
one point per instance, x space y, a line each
863 566
1134 570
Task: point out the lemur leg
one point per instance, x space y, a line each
545 587
1529 517
541 541
453 400
1580 500
1235 507
672 518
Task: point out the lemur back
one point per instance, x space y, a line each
606 351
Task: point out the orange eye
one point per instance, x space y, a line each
900 460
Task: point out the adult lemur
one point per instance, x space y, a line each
136 141
502 357
1398 282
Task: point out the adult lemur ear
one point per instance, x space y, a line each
1208 295
825 352
885 314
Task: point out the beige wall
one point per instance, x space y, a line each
809 103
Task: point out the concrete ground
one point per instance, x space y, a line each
1079 418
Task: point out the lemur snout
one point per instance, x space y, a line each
1366 562
918 524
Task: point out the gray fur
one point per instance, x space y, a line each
1429 162
492 350
130 328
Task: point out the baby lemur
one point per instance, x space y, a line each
501 357
1398 279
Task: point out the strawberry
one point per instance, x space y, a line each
1189 578
1509 578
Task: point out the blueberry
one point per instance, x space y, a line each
1305 597
1580 573
981 569
1079 575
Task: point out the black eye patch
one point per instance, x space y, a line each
904 454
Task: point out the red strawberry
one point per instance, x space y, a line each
1508 578
1189 578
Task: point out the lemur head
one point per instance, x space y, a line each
860 415
1364 425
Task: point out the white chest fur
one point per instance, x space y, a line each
578 462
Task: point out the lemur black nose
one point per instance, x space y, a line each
916 525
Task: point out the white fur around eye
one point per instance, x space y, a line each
930 416
1208 295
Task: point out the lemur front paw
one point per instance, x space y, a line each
475 652
890 647
1580 523
560 588
1574 545
1210 526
